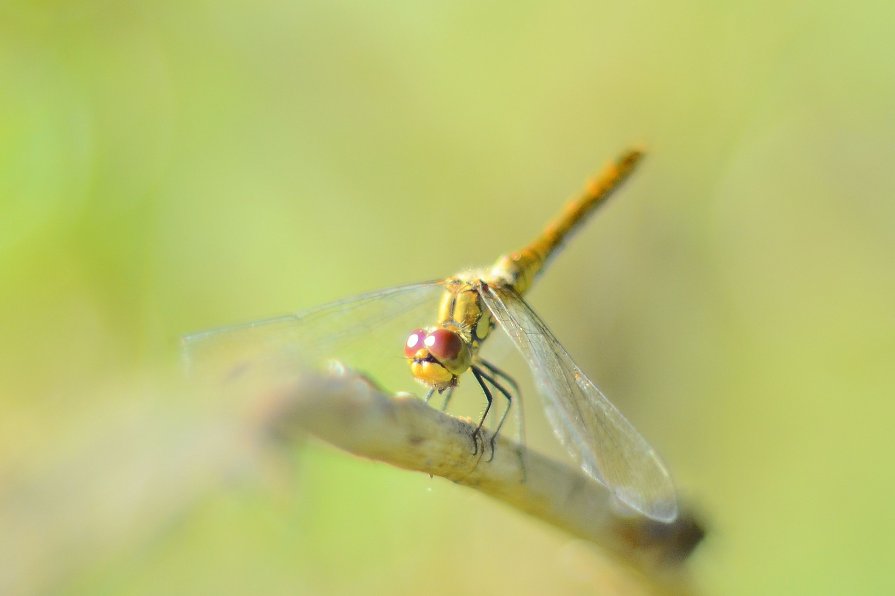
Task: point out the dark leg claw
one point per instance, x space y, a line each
481 376
492 378
476 436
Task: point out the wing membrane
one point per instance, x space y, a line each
592 429
365 332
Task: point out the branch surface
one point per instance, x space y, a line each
351 413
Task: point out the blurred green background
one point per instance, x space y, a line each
171 166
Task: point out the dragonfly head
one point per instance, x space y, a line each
437 356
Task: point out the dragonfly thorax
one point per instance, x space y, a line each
438 355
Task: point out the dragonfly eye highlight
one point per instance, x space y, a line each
415 342
444 344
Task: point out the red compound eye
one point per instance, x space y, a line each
415 341
444 344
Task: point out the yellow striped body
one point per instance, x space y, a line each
520 268
461 309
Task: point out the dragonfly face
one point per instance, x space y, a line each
437 356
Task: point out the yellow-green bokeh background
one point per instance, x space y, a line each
170 166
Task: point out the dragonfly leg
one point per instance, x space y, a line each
480 377
520 418
483 376
447 398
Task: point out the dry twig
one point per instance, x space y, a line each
351 413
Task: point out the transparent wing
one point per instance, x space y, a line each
593 430
366 332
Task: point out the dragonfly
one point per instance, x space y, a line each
470 306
